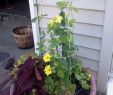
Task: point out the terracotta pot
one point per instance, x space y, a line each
93 86
92 90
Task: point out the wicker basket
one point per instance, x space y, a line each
23 37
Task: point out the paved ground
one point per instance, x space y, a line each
7 42
5 81
2 73
6 39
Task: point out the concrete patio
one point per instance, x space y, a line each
18 18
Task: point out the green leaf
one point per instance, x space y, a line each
72 22
54 42
85 85
53 69
44 15
36 4
34 19
64 39
53 45
60 74
63 87
38 18
77 76
62 5
75 9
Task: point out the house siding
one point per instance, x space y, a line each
93 34
88 29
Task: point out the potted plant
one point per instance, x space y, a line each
57 70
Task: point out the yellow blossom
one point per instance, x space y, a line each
66 14
47 70
89 76
51 22
58 19
47 57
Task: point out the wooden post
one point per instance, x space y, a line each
106 48
35 28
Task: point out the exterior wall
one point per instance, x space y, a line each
93 34
88 29
111 67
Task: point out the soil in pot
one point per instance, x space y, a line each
82 92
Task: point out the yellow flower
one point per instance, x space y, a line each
58 19
51 22
89 77
47 70
66 14
47 57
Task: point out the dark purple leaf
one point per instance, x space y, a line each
29 62
28 84
30 75
25 70
38 76
25 75
17 90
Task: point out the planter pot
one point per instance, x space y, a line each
93 86
35 80
92 90
23 37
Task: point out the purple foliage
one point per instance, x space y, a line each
29 76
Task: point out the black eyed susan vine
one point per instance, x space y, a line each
57 69
63 69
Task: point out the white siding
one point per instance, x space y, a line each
93 55
84 16
111 69
83 4
88 29
89 42
88 63
106 48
